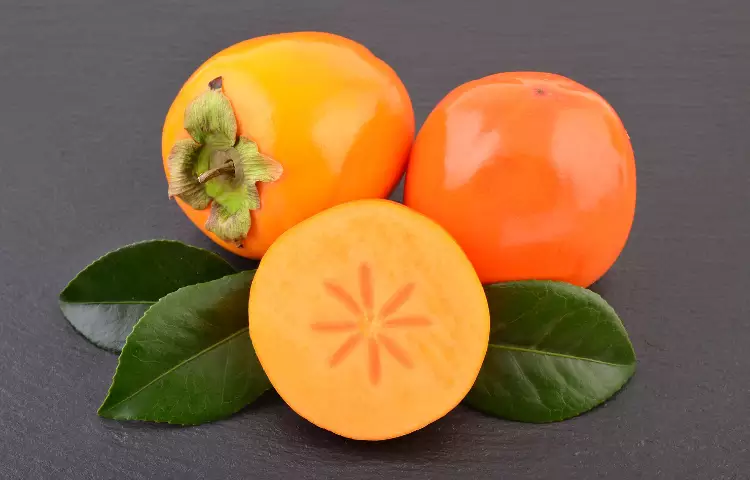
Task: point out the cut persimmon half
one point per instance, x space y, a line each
369 320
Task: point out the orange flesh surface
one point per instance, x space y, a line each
369 320
337 118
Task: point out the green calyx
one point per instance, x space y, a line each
217 168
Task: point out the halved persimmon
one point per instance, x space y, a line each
369 320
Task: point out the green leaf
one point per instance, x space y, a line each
556 351
104 301
189 359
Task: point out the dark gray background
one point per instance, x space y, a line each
85 85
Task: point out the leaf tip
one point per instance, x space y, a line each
104 411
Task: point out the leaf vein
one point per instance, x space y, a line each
184 362
553 354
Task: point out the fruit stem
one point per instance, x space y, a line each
228 167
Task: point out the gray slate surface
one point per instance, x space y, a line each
84 86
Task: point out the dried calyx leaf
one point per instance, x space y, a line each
209 118
217 168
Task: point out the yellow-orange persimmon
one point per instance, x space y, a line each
316 119
532 173
369 320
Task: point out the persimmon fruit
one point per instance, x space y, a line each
277 128
369 320
532 173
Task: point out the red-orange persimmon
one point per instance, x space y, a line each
532 173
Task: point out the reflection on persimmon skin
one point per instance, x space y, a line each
469 139
369 327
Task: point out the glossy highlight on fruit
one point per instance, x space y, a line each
532 173
334 116
369 320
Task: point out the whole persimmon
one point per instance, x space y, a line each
532 173
274 129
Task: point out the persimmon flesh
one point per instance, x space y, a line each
369 320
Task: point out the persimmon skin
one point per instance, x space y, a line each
336 117
532 173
